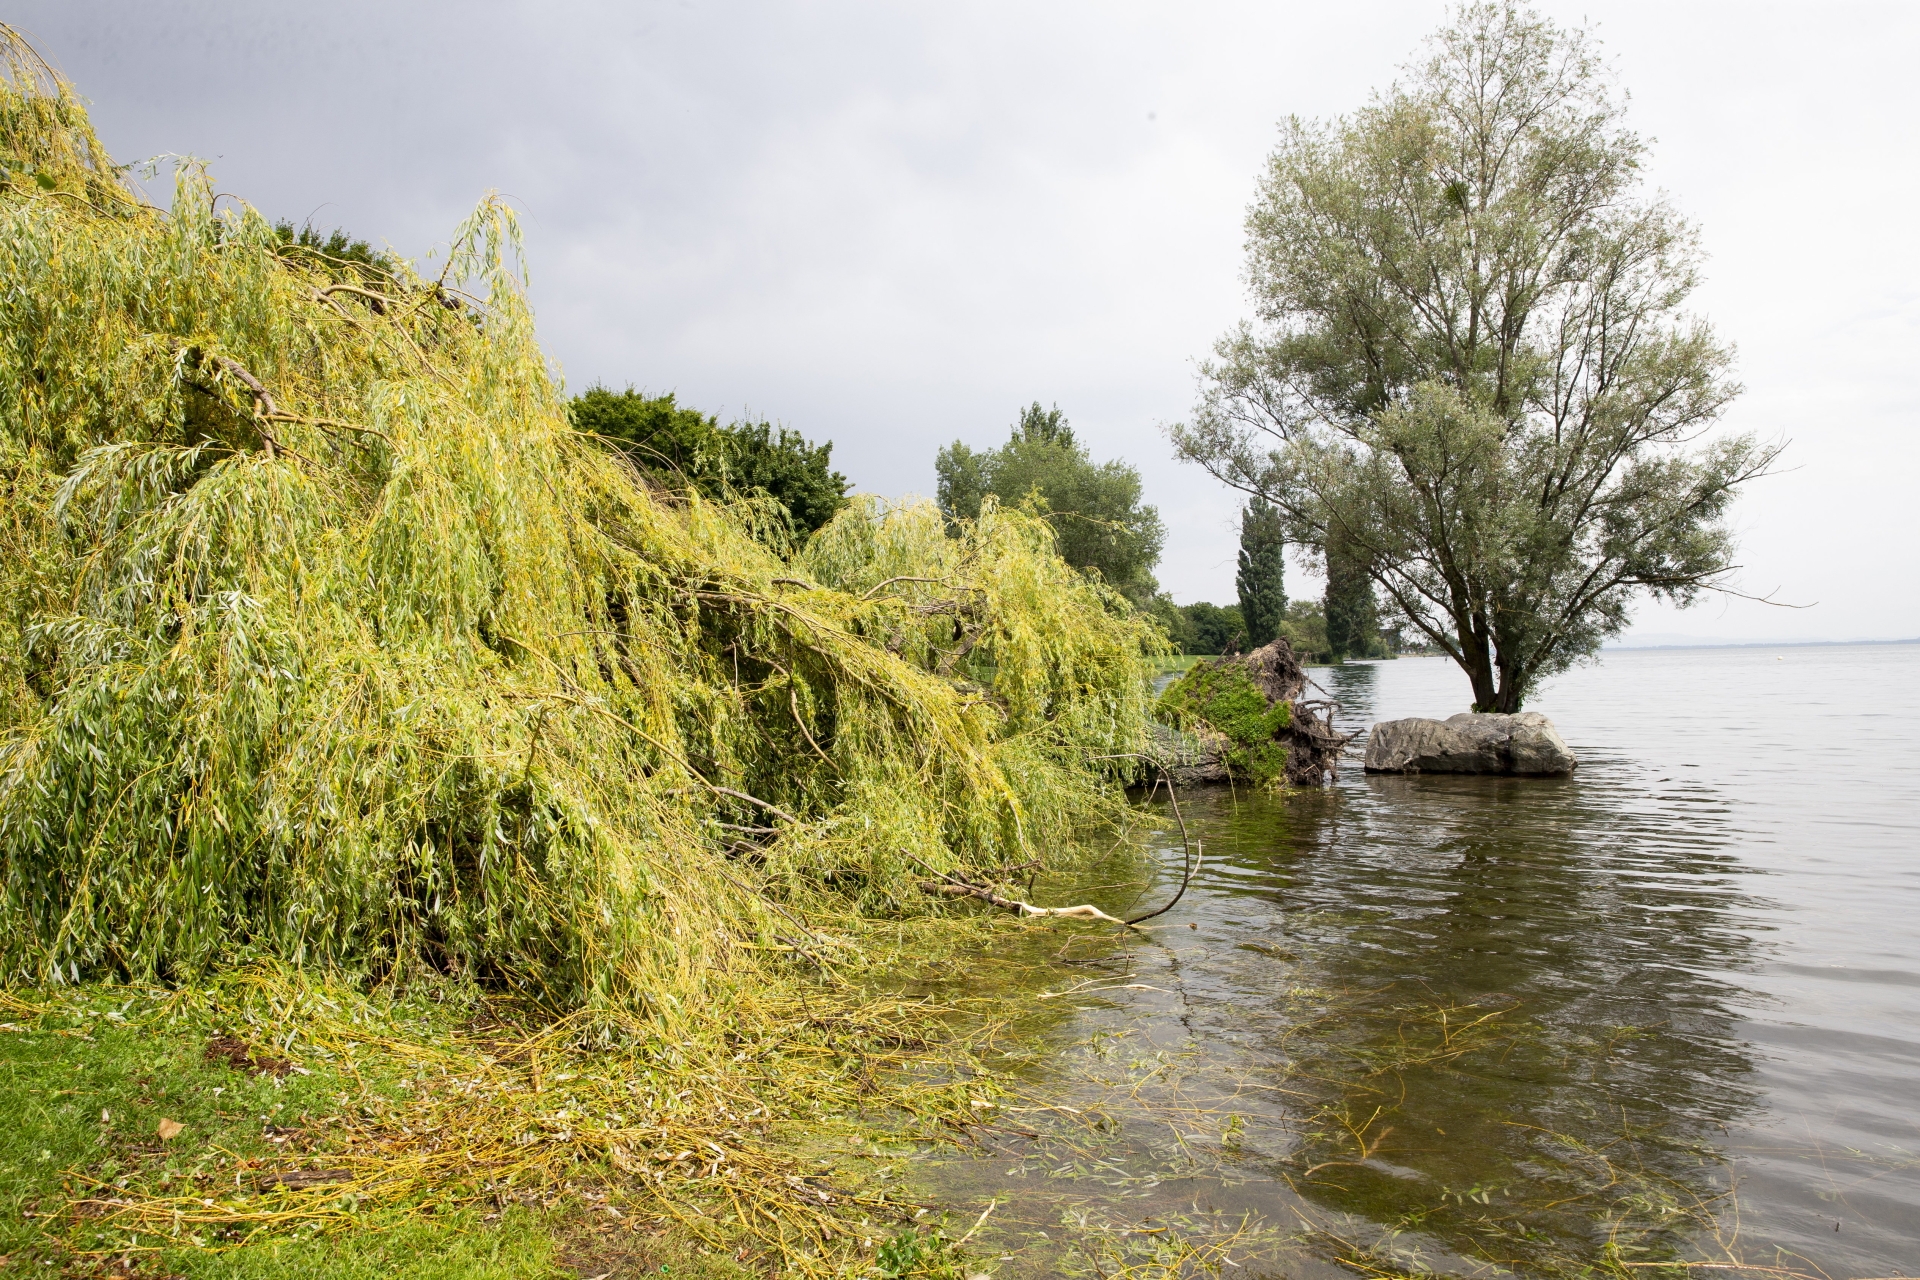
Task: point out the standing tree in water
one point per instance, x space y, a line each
1261 576
1471 362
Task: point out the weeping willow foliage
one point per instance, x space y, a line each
326 639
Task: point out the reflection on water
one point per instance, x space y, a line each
1461 1023
1521 1025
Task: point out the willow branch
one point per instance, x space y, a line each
881 586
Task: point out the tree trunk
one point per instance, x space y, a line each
1513 687
1477 662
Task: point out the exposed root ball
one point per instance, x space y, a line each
1247 711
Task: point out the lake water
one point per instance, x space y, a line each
1664 1011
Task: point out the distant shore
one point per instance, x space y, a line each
1753 644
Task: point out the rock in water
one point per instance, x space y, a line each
1471 742
1537 747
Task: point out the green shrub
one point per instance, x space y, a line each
690 449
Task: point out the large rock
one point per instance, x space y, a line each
1470 742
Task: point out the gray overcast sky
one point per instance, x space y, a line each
892 224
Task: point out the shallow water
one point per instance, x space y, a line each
1665 1010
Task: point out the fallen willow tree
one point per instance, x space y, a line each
326 639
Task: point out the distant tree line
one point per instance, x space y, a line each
1344 624
686 448
1102 527
1105 530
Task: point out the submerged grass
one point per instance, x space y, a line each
1136 1148
1160 1161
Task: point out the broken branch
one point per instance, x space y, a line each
1085 911
953 886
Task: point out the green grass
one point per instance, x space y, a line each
87 1080
83 1096
460 1247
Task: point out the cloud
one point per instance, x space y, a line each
891 225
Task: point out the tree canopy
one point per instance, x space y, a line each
721 462
1094 508
336 253
1213 629
1471 363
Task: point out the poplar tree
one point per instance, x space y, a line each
1353 618
1261 577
